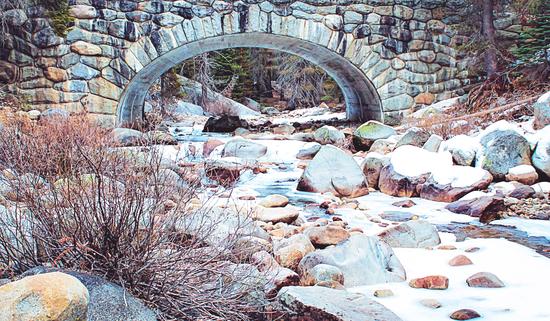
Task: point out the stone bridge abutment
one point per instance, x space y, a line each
387 56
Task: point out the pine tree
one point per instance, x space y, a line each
534 45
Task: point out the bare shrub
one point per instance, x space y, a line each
74 202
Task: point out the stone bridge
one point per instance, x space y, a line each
387 56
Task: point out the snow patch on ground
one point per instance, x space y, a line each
521 269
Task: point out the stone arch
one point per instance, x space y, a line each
362 100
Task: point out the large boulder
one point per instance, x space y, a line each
541 156
52 296
463 148
410 166
224 124
321 303
108 301
450 184
243 148
365 135
184 108
329 135
127 137
411 234
332 170
502 148
541 110
216 103
363 260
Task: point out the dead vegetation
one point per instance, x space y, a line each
72 202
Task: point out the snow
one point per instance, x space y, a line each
461 142
501 125
524 296
521 170
531 227
310 118
459 176
542 187
413 161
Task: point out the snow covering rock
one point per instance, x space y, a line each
308 151
413 136
503 147
362 259
274 200
332 170
541 156
541 110
525 174
411 234
329 135
435 109
463 148
542 187
410 166
243 148
433 143
450 184
321 303
185 109
365 135
372 165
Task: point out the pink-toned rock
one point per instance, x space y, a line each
405 203
323 236
464 314
484 280
210 145
432 282
460 260
525 174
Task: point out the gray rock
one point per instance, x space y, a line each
332 170
541 156
309 151
411 234
127 137
541 110
329 135
243 148
365 135
502 150
414 136
53 113
463 148
433 143
15 17
363 260
184 108
321 303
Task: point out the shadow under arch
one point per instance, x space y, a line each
362 100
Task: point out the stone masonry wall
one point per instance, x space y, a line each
406 48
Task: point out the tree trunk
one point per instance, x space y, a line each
488 30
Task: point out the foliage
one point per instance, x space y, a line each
534 45
58 12
74 202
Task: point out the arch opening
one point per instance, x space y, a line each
361 98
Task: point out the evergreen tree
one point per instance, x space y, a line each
534 45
